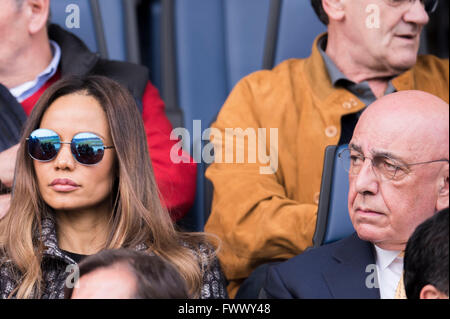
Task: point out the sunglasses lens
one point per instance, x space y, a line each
43 145
87 148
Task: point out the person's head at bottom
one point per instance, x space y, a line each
426 259
127 274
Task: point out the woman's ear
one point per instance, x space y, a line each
37 12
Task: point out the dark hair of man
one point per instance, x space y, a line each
318 8
426 256
155 277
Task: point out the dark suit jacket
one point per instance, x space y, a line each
337 270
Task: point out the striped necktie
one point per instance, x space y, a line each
400 291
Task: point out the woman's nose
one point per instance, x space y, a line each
65 160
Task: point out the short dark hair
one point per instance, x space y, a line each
426 256
156 278
318 8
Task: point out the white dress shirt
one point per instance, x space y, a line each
390 270
27 89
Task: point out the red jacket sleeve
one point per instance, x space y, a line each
176 182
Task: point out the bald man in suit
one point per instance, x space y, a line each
399 177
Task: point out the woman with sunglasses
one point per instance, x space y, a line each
83 184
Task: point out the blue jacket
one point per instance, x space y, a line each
341 270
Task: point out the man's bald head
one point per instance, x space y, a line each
417 118
410 131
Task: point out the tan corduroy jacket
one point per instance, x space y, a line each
268 217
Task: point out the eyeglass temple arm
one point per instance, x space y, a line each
435 161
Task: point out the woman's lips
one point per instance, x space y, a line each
64 185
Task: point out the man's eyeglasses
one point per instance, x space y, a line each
87 148
383 166
429 5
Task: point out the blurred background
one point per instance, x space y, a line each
197 50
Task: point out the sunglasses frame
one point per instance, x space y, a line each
69 143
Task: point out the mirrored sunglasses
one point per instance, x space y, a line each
87 148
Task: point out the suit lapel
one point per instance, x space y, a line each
355 268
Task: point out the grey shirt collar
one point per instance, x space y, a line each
361 90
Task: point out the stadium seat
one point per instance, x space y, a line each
333 221
214 44
86 29
293 26
217 43
108 27
299 26
154 53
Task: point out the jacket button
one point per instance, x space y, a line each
316 198
347 105
331 131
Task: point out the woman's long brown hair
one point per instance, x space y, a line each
138 216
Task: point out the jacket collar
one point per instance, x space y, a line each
330 96
404 81
50 241
355 263
322 87
334 73
76 58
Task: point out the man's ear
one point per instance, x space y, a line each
431 292
37 12
443 189
334 9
